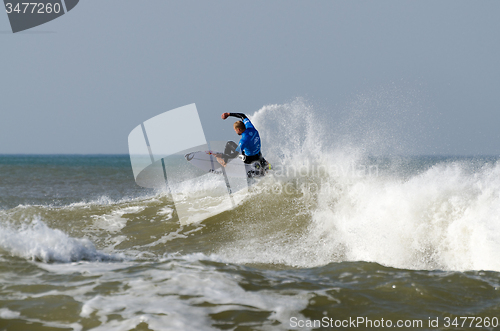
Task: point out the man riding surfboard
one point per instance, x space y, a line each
249 144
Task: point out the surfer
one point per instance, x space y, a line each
249 144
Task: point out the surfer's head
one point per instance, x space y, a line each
239 127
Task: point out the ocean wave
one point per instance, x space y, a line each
36 241
423 213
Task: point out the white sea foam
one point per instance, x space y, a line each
199 285
442 219
176 293
35 240
167 212
114 221
5 313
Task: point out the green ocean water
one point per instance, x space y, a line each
412 246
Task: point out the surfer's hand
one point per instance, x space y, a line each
225 115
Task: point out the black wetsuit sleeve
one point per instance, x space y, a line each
239 115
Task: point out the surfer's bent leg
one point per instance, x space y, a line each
230 150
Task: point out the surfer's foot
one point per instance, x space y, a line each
220 160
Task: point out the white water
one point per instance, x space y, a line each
446 217
36 241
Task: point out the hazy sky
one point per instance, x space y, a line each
81 83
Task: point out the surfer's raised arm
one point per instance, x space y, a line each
239 115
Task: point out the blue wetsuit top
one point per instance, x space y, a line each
250 140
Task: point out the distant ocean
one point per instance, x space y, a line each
334 240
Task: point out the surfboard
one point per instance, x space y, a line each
207 161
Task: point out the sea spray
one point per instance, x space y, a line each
435 215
